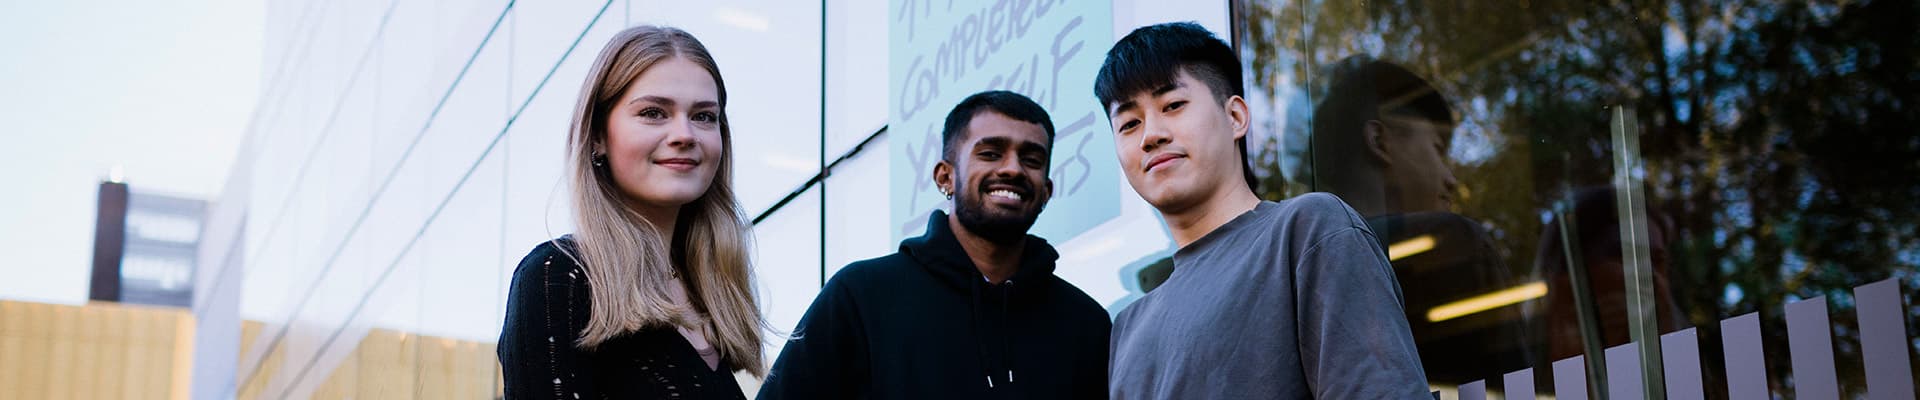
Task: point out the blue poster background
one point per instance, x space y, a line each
942 51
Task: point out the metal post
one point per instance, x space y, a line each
1629 172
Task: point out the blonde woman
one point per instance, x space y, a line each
651 296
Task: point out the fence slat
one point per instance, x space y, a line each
1810 350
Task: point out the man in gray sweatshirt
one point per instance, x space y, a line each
1278 300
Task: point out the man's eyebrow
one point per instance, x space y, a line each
995 141
1129 105
1034 147
1170 86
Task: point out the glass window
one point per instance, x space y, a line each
1530 164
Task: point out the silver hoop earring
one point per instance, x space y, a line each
599 160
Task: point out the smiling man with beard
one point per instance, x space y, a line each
969 310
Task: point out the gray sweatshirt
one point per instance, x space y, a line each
1292 300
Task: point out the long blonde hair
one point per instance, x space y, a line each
628 265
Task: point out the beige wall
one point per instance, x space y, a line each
390 364
98 351
115 351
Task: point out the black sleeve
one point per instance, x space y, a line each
826 356
546 310
1093 378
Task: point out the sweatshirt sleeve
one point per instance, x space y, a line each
1092 382
826 355
546 309
1353 335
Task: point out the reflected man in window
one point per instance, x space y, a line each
1381 135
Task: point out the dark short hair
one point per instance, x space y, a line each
1361 88
1152 57
1013 105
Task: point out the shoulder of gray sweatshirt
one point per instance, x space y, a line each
1291 300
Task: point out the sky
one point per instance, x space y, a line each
162 89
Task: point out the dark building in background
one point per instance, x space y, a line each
144 247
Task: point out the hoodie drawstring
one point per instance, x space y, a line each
980 347
1006 334
1006 338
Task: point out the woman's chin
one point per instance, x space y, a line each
665 199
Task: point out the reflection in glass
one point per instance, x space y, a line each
1777 140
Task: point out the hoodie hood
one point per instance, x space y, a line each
940 253
920 323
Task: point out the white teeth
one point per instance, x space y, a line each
1005 194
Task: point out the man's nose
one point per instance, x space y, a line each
1153 135
1008 167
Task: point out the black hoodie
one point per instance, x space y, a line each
924 324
